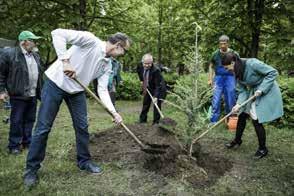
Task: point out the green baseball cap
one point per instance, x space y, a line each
26 35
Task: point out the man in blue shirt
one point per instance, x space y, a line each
222 80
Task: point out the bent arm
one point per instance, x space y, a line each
3 72
103 92
210 73
269 73
243 93
62 37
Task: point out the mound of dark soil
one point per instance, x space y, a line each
116 145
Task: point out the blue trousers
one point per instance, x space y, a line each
22 118
52 97
223 85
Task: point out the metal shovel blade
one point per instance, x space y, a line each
153 150
159 146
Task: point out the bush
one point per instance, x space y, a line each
170 79
131 87
287 89
186 81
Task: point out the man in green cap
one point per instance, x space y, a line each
20 79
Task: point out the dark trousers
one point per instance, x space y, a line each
259 129
52 97
22 118
112 97
146 105
111 93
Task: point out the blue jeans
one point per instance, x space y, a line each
51 99
22 118
223 84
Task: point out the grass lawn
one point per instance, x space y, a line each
59 175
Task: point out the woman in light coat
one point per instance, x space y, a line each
254 78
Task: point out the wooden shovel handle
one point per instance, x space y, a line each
154 103
221 120
106 109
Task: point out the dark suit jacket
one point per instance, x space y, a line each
156 83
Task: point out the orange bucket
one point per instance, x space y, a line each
232 123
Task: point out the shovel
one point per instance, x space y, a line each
217 123
154 103
148 148
165 123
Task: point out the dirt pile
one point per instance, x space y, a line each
116 145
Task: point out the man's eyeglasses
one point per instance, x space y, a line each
124 49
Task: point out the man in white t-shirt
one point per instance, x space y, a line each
87 58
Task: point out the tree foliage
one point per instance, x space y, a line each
257 28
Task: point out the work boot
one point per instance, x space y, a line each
91 167
30 179
260 153
233 144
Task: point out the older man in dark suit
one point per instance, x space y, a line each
151 79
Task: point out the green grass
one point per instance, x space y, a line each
59 175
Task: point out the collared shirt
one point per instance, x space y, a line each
87 57
217 62
33 72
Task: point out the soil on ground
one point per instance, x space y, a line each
115 145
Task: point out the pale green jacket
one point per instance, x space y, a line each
260 76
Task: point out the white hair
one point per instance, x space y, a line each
224 38
147 55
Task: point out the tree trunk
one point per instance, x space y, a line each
255 13
159 34
82 8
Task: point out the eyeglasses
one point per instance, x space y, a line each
124 49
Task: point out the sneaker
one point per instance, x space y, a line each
91 167
233 144
260 153
30 179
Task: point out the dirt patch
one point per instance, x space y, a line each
116 145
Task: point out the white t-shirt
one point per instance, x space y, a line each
87 57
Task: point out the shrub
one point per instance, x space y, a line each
130 88
186 82
287 89
170 79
